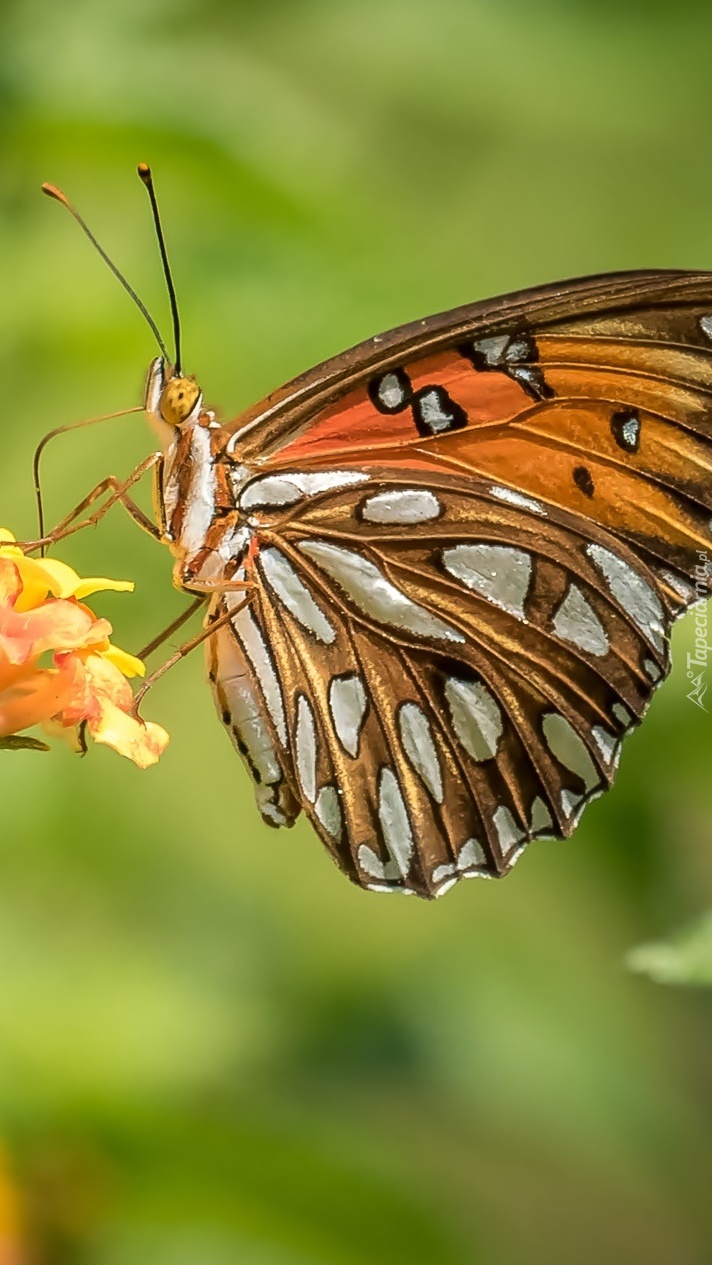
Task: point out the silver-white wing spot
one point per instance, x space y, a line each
508 832
622 714
576 621
278 491
241 708
476 717
246 715
372 864
630 431
499 573
374 595
569 748
443 872
305 742
572 804
492 348
517 498
541 817
402 506
250 636
653 670
631 592
446 886
419 746
347 704
328 811
680 586
471 853
274 491
607 743
391 391
706 323
395 824
432 412
286 584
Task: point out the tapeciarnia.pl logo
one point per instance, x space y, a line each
697 662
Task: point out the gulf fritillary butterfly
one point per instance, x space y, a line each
447 563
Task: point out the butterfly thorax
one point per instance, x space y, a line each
195 496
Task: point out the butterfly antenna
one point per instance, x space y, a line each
53 192
144 172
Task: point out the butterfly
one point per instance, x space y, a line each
442 568
456 553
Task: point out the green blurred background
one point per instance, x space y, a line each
212 1048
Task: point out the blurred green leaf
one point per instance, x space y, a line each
686 958
212 1047
21 742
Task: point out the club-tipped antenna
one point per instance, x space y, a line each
53 192
145 175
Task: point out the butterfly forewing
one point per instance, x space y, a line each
470 538
594 395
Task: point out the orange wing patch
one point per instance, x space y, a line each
611 430
364 422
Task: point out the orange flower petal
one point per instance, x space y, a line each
41 610
31 698
55 625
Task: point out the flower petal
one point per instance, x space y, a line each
58 579
64 581
10 582
41 611
56 625
99 584
143 743
125 662
96 682
42 576
32 697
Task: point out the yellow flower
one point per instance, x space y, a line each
44 577
41 611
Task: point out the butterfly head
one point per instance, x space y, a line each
171 399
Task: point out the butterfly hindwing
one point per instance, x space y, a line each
248 697
446 694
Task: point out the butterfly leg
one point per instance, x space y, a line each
187 647
172 628
118 490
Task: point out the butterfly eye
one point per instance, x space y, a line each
178 399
